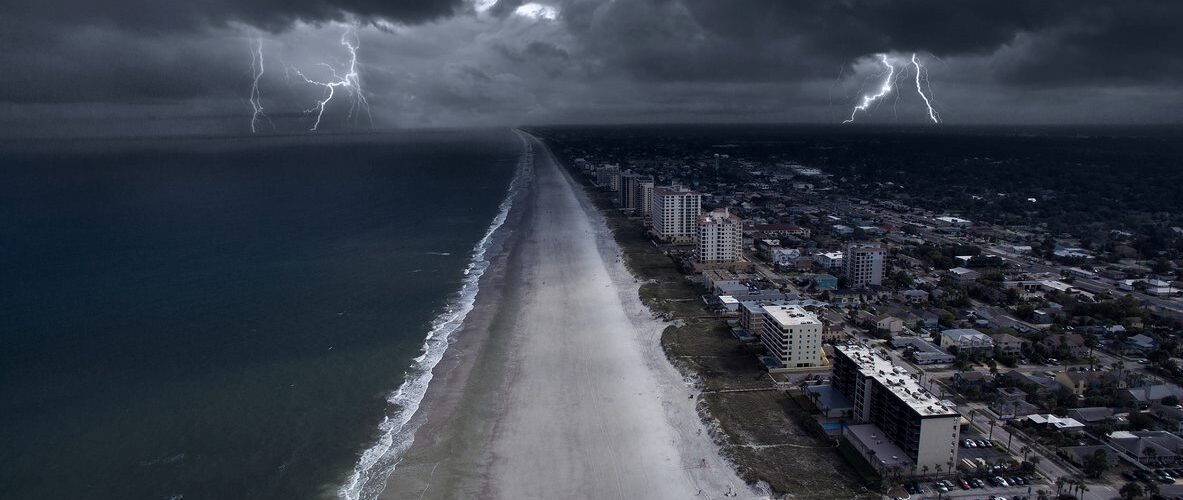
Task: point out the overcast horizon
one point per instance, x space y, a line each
135 67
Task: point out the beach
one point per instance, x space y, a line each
557 386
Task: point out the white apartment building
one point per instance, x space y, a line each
720 237
675 212
829 260
893 406
793 336
864 264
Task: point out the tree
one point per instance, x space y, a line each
1130 491
1095 464
1171 400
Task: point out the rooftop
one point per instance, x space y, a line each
897 379
791 315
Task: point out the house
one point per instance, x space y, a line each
1053 422
922 351
1092 414
1140 342
1079 382
962 275
1013 404
1147 395
889 323
914 297
1149 447
845 297
1007 343
983 381
1066 345
965 339
1032 382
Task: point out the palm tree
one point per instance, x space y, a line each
924 470
1025 450
1150 454
991 436
1059 485
1042 495
1083 488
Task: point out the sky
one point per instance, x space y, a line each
143 67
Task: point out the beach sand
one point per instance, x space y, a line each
557 386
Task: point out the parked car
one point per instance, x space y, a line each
1128 476
1017 480
940 487
968 443
977 483
963 483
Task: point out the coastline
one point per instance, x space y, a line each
768 436
557 384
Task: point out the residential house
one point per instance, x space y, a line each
983 381
1066 345
962 275
966 339
1007 343
1149 447
1080 381
889 323
914 297
1140 342
1092 414
1147 395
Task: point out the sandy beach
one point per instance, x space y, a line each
557 386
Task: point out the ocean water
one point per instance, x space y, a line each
227 318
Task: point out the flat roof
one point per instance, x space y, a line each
886 452
897 379
791 315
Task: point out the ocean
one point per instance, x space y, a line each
231 318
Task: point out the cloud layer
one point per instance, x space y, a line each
123 63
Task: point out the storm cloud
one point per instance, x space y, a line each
485 62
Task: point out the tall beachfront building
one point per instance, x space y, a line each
720 237
631 196
864 264
897 422
793 336
646 201
675 212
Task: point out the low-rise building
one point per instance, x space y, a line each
963 275
914 297
922 351
829 260
1007 343
966 339
1070 345
1153 448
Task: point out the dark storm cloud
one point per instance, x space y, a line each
156 15
450 61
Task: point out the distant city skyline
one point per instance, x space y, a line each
129 67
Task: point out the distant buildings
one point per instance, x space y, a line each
864 264
793 336
963 275
893 407
675 212
632 193
720 237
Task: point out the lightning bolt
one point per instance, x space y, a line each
884 89
932 114
350 82
257 69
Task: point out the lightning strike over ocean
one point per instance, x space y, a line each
350 82
884 89
257 69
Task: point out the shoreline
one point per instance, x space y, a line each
518 412
768 436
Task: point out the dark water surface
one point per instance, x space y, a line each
222 318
